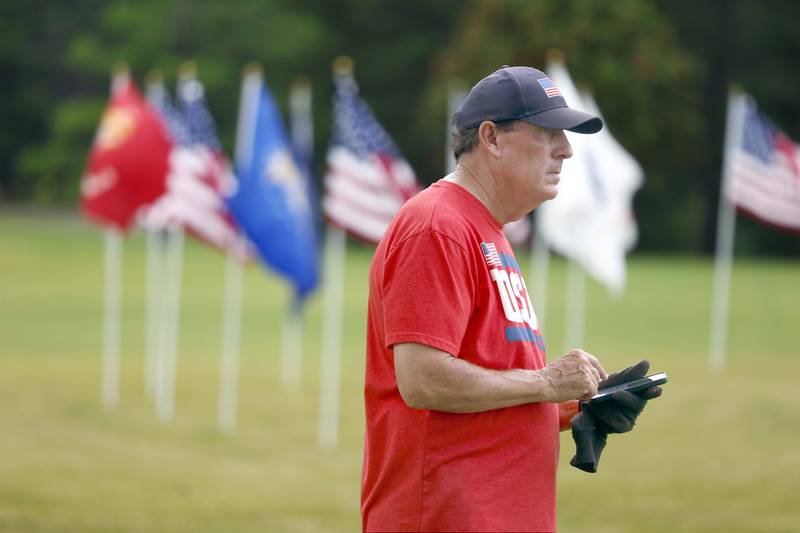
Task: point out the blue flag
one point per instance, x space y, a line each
272 202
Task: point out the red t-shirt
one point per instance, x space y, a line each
445 276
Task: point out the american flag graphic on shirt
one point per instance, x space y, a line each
550 88
490 253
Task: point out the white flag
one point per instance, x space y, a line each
622 177
591 220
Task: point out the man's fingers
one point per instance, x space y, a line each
601 372
590 391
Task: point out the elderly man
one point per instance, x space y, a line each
462 409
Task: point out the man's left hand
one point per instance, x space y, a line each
618 414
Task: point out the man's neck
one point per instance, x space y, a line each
480 183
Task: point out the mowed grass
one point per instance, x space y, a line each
716 453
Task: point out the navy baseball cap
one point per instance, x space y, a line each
522 93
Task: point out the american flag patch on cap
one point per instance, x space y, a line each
550 88
490 253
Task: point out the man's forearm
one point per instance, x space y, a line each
429 378
456 386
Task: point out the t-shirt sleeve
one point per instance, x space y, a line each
428 292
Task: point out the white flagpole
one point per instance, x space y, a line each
539 271
155 260
172 294
234 267
302 132
292 352
301 117
171 324
231 334
331 338
111 323
155 272
162 310
726 225
575 315
112 346
333 304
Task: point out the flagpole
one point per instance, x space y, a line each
575 308
154 274
112 307
292 347
234 267
174 272
726 226
302 132
111 323
334 270
231 335
334 264
153 305
157 319
170 330
539 271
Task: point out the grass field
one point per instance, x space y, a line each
716 453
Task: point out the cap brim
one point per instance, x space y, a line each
564 118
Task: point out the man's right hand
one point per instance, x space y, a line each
573 377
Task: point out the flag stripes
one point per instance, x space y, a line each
762 171
198 175
367 180
491 255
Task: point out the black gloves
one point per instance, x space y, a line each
589 442
618 414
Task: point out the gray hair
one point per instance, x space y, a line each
464 140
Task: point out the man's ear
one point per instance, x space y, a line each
487 136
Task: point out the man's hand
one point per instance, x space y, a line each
618 414
573 377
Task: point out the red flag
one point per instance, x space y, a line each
128 162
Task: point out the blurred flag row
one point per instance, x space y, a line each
155 163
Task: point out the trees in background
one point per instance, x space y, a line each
659 71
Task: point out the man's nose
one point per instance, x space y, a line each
563 148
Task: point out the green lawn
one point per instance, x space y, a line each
716 453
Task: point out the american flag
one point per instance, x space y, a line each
550 88
490 253
367 179
199 173
199 121
159 99
762 167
